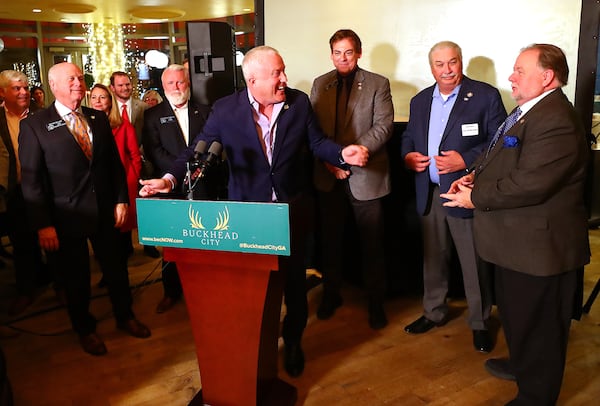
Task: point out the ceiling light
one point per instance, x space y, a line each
156 59
36 10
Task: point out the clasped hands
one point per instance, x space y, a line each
459 194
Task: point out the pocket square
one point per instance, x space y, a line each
510 141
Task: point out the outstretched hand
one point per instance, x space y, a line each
150 187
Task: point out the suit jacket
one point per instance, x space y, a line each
529 193
62 188
251 177
138 108
7 155
162 136
8 160
369 122
477 103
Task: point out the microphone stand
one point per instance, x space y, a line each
188 179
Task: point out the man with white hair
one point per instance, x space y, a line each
168 129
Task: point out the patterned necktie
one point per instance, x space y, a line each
504 127
79 130
124 114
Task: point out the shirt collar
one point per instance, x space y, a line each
437 94
64 110
276 107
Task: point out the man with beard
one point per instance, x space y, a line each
168 129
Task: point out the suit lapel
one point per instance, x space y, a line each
460 104
357 85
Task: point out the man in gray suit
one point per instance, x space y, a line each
353 106
531 223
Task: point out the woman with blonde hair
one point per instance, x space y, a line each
151 97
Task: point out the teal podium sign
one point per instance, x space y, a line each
261 228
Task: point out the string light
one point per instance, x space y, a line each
106 50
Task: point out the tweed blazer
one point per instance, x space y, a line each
369 122
530 214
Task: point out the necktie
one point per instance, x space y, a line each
341 105
79 130
124 114
504 127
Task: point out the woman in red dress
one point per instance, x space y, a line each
102 99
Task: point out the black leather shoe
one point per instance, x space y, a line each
151 251
134 328
377 319
500 368
165 304
294 360
329 303
482 341
422 325
92 344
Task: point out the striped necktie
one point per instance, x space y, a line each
78 128
504 127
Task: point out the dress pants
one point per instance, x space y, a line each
27 254
294 270
171 282
334 208
72 266
442 233
535 312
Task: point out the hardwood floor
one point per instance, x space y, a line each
347 363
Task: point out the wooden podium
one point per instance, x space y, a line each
233 301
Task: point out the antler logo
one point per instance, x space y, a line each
222 222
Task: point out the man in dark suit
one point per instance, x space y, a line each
75 189
29 267
268 132
450 124
353 106
169 127
531 223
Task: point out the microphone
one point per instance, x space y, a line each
213 154
199 150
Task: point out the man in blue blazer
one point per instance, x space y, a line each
71 198
268 132
450 124
169 127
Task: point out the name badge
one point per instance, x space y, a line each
55 124
168 119
470 130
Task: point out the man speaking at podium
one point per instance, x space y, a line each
268 132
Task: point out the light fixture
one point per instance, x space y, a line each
156 59
36 10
